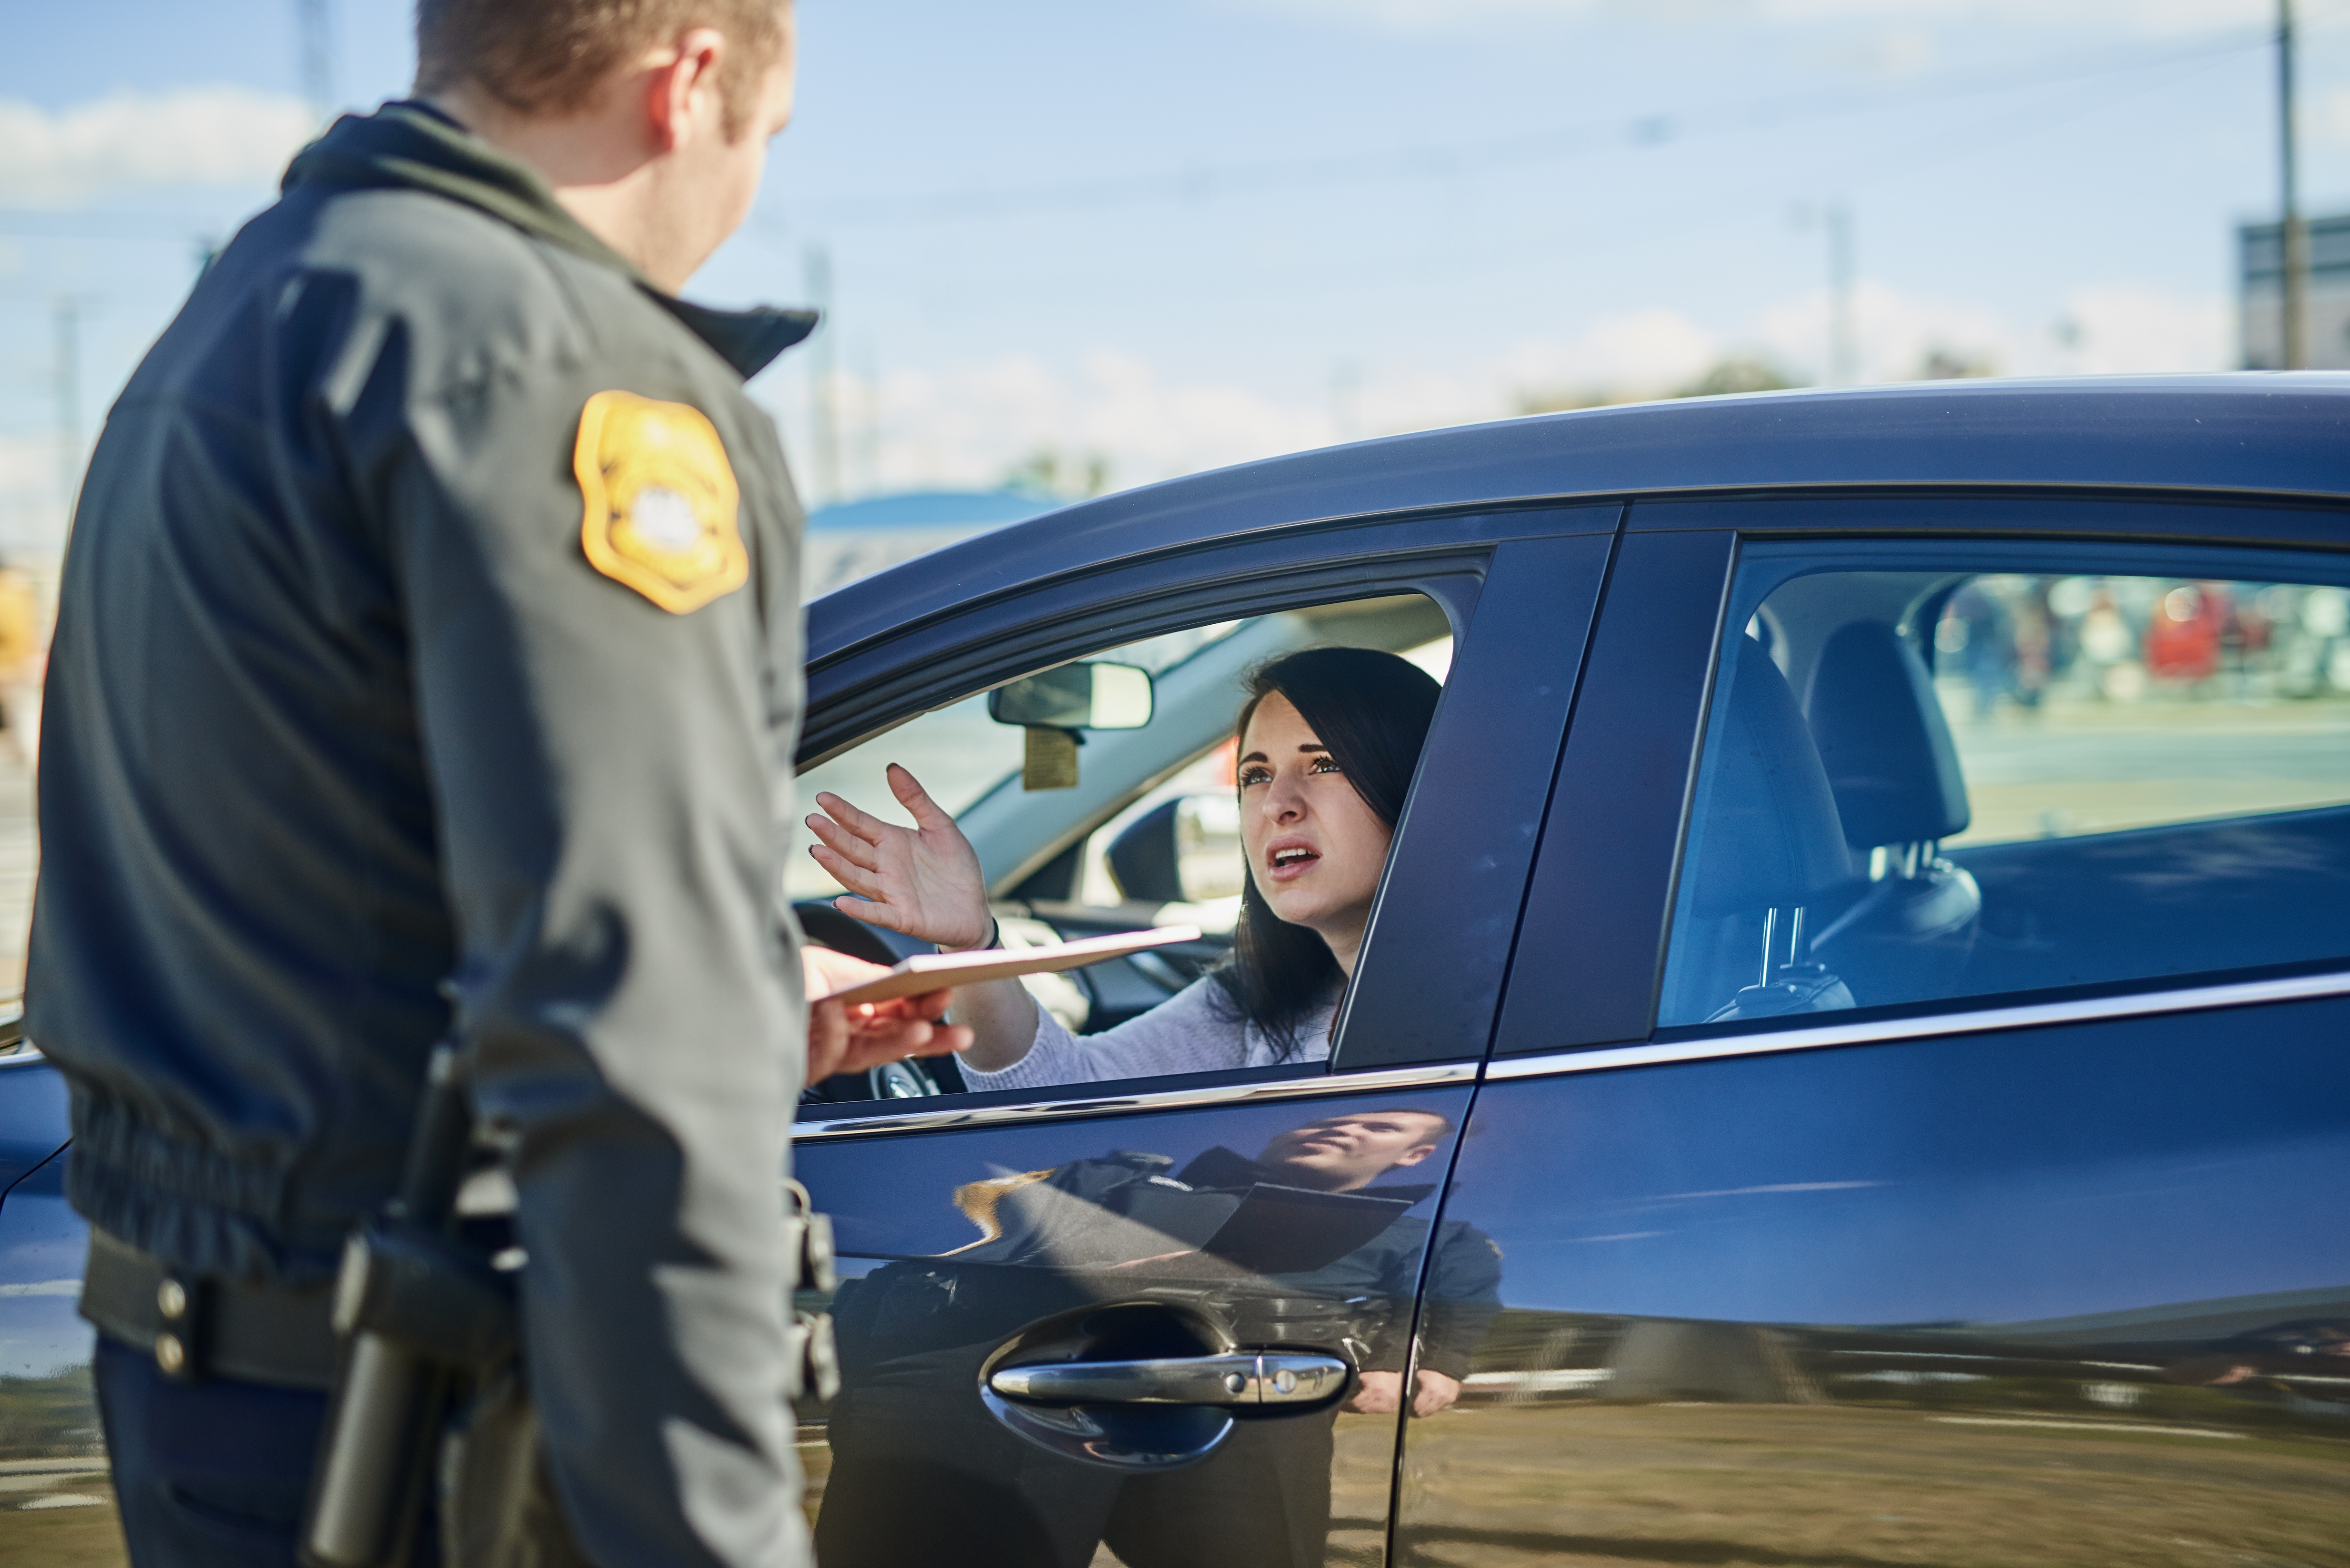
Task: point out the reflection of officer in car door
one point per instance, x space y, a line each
920 1473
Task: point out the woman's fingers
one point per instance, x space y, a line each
863 824
848 873
858 851
872 911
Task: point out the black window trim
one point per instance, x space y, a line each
855 693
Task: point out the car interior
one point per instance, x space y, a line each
1837 859
1087 822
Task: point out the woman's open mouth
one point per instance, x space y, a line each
1287 862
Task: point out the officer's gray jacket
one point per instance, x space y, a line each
416 677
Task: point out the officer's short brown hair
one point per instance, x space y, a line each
548 56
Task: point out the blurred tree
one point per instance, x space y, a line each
1949 365
1049 471
1736 374
1563 399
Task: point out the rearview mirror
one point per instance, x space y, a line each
1085 696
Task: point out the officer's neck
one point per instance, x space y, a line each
605 168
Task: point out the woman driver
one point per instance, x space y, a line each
1328 740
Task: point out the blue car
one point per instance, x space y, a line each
1855 1002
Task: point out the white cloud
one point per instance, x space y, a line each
205 136
1893 333
967 426
1642 352
1888 52
2138 17
2121 328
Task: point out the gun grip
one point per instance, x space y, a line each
376 1458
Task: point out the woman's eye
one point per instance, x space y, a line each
1325 764
1255 776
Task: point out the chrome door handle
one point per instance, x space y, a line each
1244 1377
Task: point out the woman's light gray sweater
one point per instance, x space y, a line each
1197 1030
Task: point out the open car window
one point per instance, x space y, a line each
2013 771
1145 833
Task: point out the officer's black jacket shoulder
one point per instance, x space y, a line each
309 525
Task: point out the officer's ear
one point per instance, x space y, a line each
684 98
1413 1156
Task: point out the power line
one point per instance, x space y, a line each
46 222
1209 181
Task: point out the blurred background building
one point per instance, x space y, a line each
855 539
2260 287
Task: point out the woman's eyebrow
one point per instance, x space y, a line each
1254 757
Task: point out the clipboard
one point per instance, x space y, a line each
926 972
1295 1229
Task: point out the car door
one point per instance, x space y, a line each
56 1502
1099 1319
1916 1124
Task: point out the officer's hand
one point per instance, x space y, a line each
1382 1393
1437 1392
924 880
851 1039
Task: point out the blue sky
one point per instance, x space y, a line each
1205 231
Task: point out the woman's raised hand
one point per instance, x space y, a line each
924 880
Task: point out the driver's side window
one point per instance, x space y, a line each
1092 823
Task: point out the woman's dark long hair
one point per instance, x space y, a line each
1372 710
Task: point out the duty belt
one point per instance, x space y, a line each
197 1327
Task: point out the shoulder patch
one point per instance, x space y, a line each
661 503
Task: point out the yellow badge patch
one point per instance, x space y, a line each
661 501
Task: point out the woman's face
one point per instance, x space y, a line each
1315 848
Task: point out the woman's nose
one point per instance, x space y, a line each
1284 801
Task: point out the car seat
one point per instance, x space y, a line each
1893 770
1770 843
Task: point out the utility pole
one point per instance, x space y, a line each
869 419
318 58
1346 399
824 404
1844 347
2293 232
66 316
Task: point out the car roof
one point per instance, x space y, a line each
2251 434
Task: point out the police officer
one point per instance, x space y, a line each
427 670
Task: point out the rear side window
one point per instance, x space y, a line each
1937 778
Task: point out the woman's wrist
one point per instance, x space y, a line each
994 938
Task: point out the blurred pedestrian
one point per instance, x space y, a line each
22 657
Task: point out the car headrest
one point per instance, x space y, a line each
1883 740
1771 834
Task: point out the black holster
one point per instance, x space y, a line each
424 1322
431 1391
